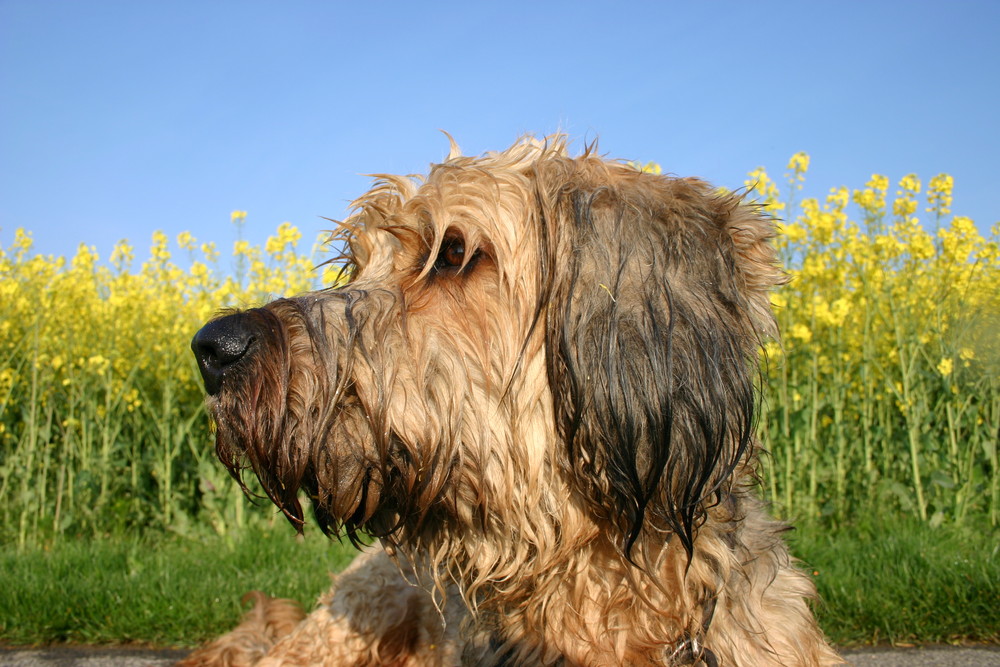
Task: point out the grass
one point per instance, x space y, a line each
156 590
896 581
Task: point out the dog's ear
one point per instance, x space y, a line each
655 301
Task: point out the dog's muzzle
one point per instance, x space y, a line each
220 345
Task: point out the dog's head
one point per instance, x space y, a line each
520 330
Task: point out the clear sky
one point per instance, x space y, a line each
121 118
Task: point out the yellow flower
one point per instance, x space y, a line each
7 378
288 236
945 367
872 198
903 207
964 225
939 194
838 198
651 168
122 255
795 233
798 166
332 275
760 183
85 258
959 240
878 182
159 250
237 217
241 247
186 241
839 310
801 332
921 244
22 243
210 251
910 183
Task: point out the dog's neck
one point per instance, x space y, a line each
547 580
579 600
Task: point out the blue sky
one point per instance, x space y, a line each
121 118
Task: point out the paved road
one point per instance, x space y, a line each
936 656
985 656
87 656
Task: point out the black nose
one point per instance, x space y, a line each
219 345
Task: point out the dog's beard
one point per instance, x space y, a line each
288 413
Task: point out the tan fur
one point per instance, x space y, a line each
537 388
373 616
268 620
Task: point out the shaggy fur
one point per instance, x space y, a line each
538 390
372 615
269 620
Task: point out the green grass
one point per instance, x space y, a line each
895 580
899 580
162 591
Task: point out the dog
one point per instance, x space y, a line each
538 390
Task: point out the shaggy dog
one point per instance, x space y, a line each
538 391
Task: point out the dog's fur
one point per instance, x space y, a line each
372 615
538 390
269 620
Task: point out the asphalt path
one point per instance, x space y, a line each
87 656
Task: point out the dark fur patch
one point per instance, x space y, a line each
649 355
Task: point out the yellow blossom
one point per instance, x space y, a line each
878 182
801 332
839 198
903 207
794 232
798 165
910 184
159 250
939 194
651 168
210 252
122 255
241 247
186 241
760 184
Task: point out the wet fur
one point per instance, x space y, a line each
552 430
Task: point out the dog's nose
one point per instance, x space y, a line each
219 345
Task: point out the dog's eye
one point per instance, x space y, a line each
451 255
